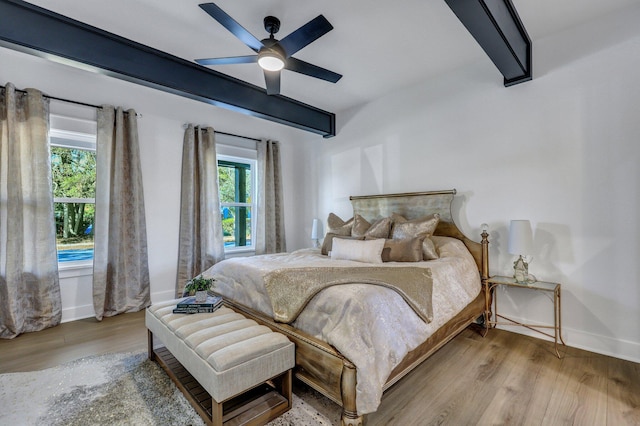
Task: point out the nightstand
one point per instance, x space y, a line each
552 288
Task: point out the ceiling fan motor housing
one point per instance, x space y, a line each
271 24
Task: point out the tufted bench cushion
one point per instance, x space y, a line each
224 351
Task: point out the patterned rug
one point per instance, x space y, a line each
123 389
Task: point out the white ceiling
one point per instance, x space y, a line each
378 45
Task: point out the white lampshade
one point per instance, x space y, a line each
520 237
314 229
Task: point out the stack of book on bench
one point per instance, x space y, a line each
189 305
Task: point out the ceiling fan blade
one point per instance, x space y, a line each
229 23
249 59
306 68
272 79
306 34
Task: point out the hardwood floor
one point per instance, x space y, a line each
73 340
507 378
503 378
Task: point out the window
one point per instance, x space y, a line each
237 186
73 169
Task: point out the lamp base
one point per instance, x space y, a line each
521 271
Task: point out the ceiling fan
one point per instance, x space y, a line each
273 55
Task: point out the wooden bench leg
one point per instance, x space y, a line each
151 353
287 388
284 385
216 413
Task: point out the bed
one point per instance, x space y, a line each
354 365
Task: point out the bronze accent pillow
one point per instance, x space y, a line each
338 226
422 227
327 244
406 250
429 251
379 229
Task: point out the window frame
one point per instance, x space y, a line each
253 205
81 141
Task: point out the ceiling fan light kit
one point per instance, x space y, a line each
270 60
273 55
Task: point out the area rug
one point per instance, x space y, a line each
123 389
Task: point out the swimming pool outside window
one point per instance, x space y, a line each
73 168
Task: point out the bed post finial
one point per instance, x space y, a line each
485 252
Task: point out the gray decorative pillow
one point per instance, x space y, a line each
379 229
406 250
422 227
335 225
327 244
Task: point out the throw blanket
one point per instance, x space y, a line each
290 289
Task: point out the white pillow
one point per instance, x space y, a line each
369 251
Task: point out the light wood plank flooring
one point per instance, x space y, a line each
503 378
73 340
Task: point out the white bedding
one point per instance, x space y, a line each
371 325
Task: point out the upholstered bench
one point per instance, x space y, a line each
244 367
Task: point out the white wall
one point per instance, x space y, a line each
562 150
160 133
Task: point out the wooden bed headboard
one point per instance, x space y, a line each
414 205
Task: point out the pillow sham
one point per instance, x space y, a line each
369 251
327 244
429 251
379 229
337 226
405 250
424 226
403 228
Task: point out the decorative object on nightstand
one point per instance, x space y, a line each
542 286
314 233
521 244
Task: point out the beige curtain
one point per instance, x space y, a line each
201 244
270 236
120 263
29 287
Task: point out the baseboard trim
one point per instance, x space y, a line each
162 296
604 345
75 313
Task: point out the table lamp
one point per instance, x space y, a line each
314 233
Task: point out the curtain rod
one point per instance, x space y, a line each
236 136
73 102
138 114
59 99
69 101
185 125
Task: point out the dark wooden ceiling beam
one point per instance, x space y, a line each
29 28
496 26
